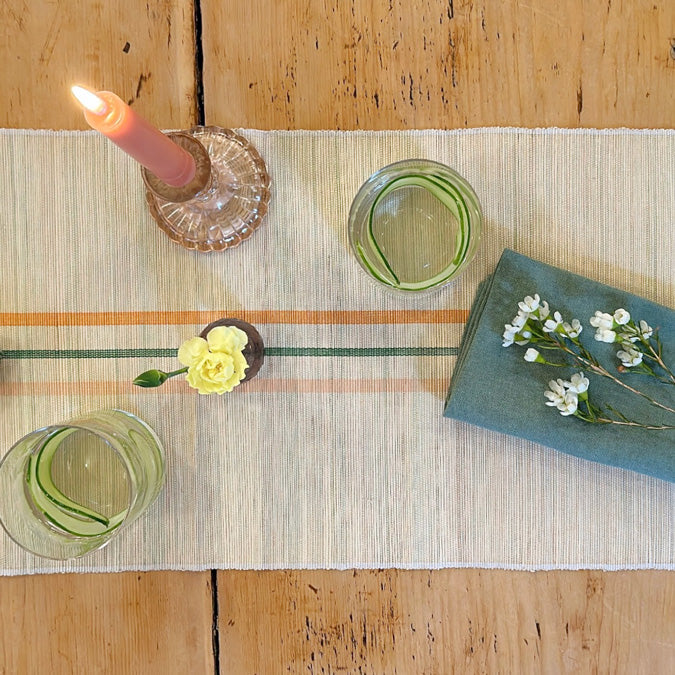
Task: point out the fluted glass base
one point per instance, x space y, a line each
226 201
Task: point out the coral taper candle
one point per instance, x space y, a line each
109 114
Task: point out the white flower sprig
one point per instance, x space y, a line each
565 396
639 341
571 398
535 324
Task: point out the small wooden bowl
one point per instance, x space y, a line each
254 351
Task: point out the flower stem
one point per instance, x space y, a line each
597 415
628 423
655 356
586 360
176 372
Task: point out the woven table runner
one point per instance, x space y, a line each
337 455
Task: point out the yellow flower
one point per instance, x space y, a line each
193 351
215 365
228 339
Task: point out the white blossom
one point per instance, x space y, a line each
629 336
508 335
605 335
578 383
557 386
646 330
519 320
556 394
529 304
602 320
551 324
621 316
569 404
564 396
523 337
553 398
574 329
629 356
543 310
531 355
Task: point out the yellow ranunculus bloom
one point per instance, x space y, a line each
215 365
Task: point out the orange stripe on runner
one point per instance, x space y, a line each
400 385
260 385
313 317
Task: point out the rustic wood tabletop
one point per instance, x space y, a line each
355 64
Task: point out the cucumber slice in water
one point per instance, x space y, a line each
451 199
57 508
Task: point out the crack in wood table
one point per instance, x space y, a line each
342 65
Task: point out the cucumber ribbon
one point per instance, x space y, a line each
445 193
57 508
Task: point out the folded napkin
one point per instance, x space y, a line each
494 387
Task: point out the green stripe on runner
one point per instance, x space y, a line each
269 351
361 351
86 353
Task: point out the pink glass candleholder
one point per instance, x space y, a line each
226 200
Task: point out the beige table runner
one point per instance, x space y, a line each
337 455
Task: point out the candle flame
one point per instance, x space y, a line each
89 100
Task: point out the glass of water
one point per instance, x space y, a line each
69 488
415 225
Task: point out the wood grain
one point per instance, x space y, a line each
143 52
351 64
446 621
112 623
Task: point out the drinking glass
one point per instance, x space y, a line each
415 225
67 489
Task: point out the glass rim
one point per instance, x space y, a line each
427 171
76 543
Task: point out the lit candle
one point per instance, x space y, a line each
110 115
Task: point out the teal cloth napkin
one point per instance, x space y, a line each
494 387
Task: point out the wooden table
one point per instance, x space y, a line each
342 65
